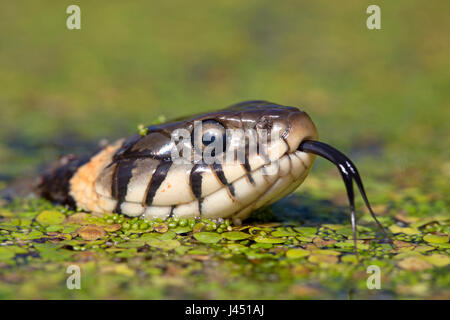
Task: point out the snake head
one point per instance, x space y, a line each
225 175
222 164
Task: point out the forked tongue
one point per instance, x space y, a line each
349 174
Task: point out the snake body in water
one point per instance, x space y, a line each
140 177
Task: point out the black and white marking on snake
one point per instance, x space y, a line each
138 177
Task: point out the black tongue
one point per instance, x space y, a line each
348 172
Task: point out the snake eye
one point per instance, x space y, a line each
210 140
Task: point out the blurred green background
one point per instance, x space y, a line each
380 95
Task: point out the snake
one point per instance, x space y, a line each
139 177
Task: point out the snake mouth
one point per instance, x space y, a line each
348 172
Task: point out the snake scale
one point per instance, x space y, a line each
138 176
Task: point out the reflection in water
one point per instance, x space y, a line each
307 210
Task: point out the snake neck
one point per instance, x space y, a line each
81 185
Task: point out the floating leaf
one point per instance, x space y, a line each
261 245
56 255
53 228
323 259
322 243
306 230
163 244
297 253
235 235
269 240
423 248
8 227
333 226
305 239
256 230
147 236
91 232
236 247
396 229
327 252
48 217
346 231
30 236
53 252
350 244
283 232
179 230
208 237
126 253
77 218
168 235
198 252
434 238
344 244
402 244
112 227
70 228
438 260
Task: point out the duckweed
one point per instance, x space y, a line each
150 252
